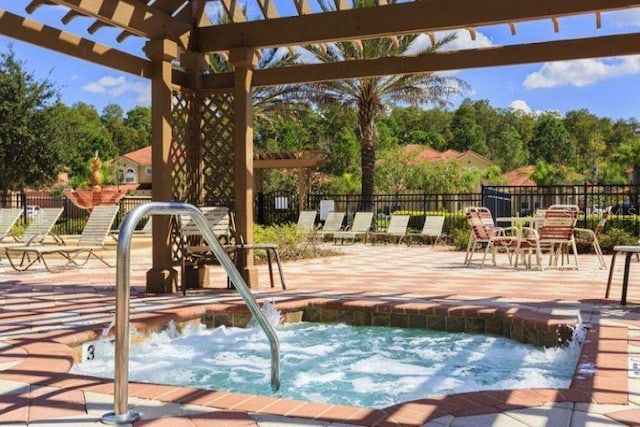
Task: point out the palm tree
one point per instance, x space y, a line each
268 102
369 95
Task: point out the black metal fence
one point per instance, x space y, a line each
283 207
73 218
502 200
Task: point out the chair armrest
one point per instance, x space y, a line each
529 233
585 233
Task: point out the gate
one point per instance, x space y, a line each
497 202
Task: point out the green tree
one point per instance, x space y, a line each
467 133
551 142
369 95
83 134
30 151
583 128
138 119
509 150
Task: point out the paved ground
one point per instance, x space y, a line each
42 314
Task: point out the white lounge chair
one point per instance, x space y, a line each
8 217
91 240
360 228
432 229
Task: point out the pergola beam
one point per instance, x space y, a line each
595 47
132 16
394 19
33 32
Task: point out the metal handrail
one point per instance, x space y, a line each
121 414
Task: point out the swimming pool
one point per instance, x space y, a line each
350 365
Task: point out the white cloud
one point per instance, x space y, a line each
115 87
623 18
462 41
580 73
520 105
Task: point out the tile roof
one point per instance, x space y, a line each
141 156
521 176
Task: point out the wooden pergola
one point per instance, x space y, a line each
202 134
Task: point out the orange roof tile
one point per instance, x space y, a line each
521 176
141 156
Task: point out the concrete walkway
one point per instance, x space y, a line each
44 315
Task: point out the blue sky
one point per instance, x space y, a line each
607 87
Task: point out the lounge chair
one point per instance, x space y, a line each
307 221
91 240
8 217
397 229
432 230
332 224
37 230
360 228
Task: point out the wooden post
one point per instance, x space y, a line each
162 278
302 188
244 61
194 63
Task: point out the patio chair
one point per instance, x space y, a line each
586 236
485 233
397 229
332 224
432 229
8 218
37 230
220 219
556 236
91 240
359 228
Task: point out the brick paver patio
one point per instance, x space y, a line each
43 315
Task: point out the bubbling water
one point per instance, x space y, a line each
359 366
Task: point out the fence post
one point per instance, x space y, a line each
23 201
586 207
260 207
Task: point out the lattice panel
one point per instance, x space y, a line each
217 149
179 153
180 145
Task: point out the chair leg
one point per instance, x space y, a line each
270 267
598 251
279 264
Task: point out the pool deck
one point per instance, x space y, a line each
43 314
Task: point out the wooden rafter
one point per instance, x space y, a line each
35 4
302 6
96 26
33 32
400 18
268 8
234 10
70 15
133 16
595 47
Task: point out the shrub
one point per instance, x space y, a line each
459 238
292 243
614 237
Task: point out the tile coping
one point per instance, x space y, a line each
605 351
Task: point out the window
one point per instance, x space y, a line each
148 170
130 176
